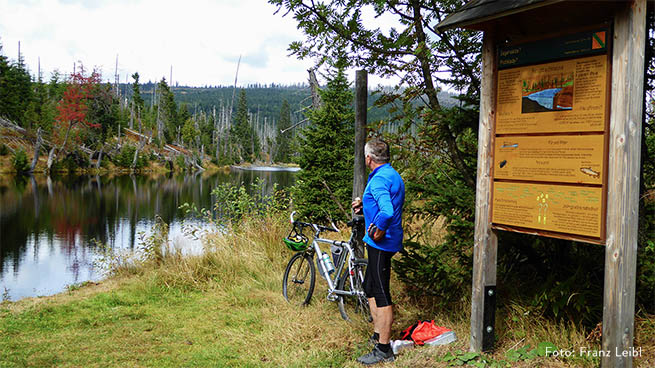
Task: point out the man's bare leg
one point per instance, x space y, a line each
383 323
374 314
382 320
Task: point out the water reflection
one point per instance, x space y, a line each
47 225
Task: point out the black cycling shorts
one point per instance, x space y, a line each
378 273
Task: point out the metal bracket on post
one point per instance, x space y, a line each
489 318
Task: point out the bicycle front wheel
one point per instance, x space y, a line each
356 305
299 279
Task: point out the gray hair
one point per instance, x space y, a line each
378 150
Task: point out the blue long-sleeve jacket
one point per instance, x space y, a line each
383 201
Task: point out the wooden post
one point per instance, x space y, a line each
485 240
359 171
623 188
361 99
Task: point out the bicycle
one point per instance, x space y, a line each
345 278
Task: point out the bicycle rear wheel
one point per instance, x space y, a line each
355 306
299 279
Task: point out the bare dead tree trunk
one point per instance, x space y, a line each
197 166
234 91
313 84
37 148
100 156
51 158
142 143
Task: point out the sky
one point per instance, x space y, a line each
200 39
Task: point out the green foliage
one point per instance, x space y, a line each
326 155
4 150
472 359
235 203
137 100
189 132
15 89
283 139
75 159
103 110
125 158
153 246
544 349
437 189
19 161
180 163
247 142
168 111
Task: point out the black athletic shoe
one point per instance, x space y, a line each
376 356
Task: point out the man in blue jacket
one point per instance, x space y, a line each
382 204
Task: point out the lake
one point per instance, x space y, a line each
49 226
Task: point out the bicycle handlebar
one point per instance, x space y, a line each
316 227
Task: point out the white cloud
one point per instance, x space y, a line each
200 39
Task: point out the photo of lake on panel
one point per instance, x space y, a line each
49 226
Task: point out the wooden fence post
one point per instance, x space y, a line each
359 172
485 241
623 188
361 97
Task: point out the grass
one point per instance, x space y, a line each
225 309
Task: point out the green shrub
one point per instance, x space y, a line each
20 162
75 159
126 156
3 149
236 202
180 163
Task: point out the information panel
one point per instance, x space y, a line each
565 96
560 208
549 154
564 158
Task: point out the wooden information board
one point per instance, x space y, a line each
566 96
550 156
565 158
560 208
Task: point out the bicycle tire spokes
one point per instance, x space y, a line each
299 279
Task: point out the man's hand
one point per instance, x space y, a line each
375 233
357 205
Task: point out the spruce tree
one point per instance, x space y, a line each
326 154
137 101
15 89
283 139
246 141
168 111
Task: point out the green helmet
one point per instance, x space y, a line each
297 243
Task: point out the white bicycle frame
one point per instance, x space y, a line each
332 290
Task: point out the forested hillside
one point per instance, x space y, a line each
263 100
76 120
